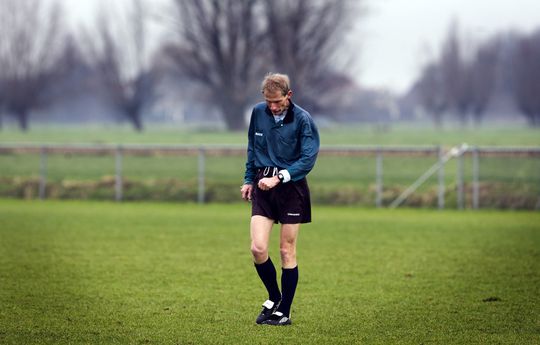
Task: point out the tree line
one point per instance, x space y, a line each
216 52
465 76
223 47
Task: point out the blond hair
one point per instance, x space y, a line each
273 82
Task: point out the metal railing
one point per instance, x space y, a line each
202 151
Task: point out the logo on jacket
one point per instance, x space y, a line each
258 134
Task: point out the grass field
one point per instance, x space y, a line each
140 273
354 134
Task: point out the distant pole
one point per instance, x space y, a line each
440 194
379 178
202 167
476 177
460 189
118 176
42 173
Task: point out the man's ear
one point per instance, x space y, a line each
289 94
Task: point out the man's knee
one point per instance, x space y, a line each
288 252
259 252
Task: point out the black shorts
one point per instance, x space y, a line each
286 203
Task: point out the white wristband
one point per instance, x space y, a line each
286 175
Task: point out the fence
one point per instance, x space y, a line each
440 159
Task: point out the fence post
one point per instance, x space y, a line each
118 177
42 173
441 189
459 179
476 173
202 166
379 178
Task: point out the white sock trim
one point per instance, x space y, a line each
268 304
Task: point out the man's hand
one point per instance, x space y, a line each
246 191
268 183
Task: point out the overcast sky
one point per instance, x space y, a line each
397 35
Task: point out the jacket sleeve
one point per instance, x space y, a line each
249 176
309 149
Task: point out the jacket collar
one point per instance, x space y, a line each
289 117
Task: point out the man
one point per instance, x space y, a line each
283 143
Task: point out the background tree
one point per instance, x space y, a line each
461 79
303 39
228 46
526 79
456 74
2 100
119 53
430 90
483 77
219 44
31 40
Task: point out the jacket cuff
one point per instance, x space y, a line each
286 175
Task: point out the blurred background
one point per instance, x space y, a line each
405 80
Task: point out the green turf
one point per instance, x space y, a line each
140 273
353 134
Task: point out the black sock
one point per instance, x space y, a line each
289 280
268 275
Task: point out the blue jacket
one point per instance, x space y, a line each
291 144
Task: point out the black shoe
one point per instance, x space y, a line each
277 319
268 308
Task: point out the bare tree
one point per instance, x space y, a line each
304 36
227 46
430 89
527 77
461 79
483 76
31 38
121 57
220 45
456 74
2 99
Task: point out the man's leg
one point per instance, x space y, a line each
261 228
289 276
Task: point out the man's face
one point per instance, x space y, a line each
276 101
